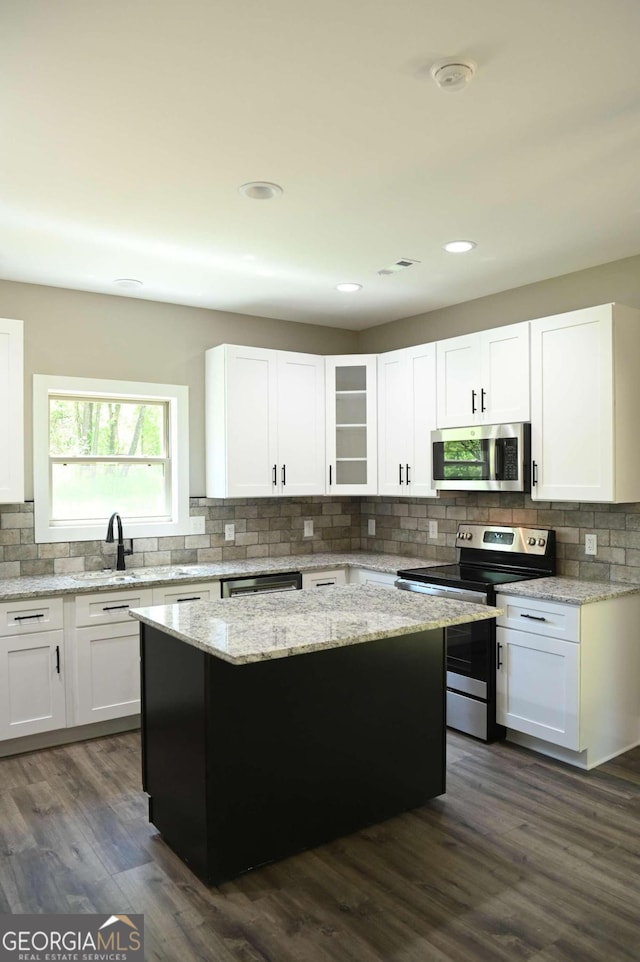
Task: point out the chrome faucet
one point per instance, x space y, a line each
120 566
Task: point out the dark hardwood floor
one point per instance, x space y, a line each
524 858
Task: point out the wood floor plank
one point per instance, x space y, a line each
523 859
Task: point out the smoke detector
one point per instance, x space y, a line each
453 74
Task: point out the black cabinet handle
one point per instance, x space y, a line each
534 617
534 473
58 658
114 607
195 598
330 481
407 474
284 475
498 650
28 617
473 402
400 473
275 474
482 397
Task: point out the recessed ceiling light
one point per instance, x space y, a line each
349 288
260 190
127 283
459 247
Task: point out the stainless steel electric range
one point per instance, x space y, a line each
490 556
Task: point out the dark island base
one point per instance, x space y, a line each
246 764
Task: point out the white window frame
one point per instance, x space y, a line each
177 396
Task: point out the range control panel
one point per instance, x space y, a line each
496 537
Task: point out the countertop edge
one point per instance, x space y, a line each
143 615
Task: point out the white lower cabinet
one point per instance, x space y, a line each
366 576
32 684
175 595
106 655
538 686
324 579
568 677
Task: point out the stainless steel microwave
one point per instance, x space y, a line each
483 457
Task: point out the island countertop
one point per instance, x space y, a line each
262 627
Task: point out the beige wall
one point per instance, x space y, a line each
618 281
98 335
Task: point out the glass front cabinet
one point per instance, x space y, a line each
351 424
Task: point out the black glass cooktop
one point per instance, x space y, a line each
465 576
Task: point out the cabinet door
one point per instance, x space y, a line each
351 424
572 406
458 380
107 668
422 377
301 429
32 696
538 686
406 418
241 422
11 412
504 383
395 411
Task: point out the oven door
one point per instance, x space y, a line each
468 646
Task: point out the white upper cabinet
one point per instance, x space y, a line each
483 378
585 398
406 417
11 412
264 423
351 424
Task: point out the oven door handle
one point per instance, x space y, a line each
442 591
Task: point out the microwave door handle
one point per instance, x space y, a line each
492 453
499 459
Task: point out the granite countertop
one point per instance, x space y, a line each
568 591
41 586
261 627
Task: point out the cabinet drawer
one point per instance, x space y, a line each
539 617
20 617
180 593
324 579
110 606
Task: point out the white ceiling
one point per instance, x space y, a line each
128 126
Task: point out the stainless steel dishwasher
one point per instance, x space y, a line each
260 584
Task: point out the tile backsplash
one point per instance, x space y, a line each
263 528
402 527
274 527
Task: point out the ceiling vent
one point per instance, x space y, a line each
400 265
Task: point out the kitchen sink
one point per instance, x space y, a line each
105 577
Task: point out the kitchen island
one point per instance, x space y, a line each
275 723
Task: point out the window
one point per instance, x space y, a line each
105 446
